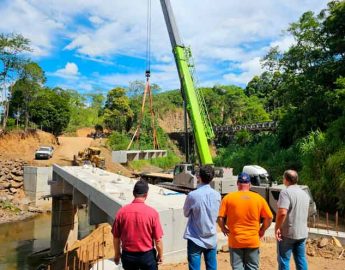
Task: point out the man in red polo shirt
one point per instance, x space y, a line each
137 228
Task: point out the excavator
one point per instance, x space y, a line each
184 174
90 156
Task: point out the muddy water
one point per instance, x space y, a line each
19 240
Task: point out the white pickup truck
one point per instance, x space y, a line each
44 152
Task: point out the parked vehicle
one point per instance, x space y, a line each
44 152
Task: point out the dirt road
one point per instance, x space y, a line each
64 152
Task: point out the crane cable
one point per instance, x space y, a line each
148 73
148 39
147 89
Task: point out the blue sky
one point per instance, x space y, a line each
95 45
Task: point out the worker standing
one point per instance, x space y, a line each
201 208
291 228
137 228
239 219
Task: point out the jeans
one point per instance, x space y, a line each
297 247
139 260
194 256
244 258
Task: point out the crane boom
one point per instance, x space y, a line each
196 108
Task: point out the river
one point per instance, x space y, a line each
20 239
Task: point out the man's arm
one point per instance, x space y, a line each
223 227
187 206
265 225
117 250
280 218
159 247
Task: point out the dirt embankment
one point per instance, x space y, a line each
23 145
18 149
172 121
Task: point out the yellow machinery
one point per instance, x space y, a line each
91 155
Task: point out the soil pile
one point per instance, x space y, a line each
326 247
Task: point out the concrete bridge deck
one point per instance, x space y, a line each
105 193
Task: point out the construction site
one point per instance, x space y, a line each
71 159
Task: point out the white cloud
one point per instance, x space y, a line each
96 20
69 71
21 16
247 70
219 32
285 43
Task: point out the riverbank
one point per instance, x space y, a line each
8 216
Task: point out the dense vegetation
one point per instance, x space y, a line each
303 88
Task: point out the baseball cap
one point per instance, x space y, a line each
243 178
141 187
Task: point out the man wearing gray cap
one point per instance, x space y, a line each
137 228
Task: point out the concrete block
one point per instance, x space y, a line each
130 155
96 215
36 182
65 218
62 205
78 198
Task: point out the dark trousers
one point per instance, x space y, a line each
139 260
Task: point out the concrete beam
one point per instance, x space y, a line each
124 156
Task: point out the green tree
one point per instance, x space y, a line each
51 110
30 82
12 60
118 114
84 112
299 83
97 101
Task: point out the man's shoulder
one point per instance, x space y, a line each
150 210
256 195
207 189
230 195
214 192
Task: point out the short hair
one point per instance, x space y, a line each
140 188
206 173
291 176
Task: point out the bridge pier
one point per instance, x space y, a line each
64 230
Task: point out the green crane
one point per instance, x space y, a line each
193 98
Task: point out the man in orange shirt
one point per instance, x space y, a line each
239 218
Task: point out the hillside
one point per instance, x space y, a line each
15 145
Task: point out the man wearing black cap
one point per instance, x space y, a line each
137 228
239 218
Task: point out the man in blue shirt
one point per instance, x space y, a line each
201 207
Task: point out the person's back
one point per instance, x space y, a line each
135 222
245 210
295 225
239 218
204 205
137 231
201 207
291 223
